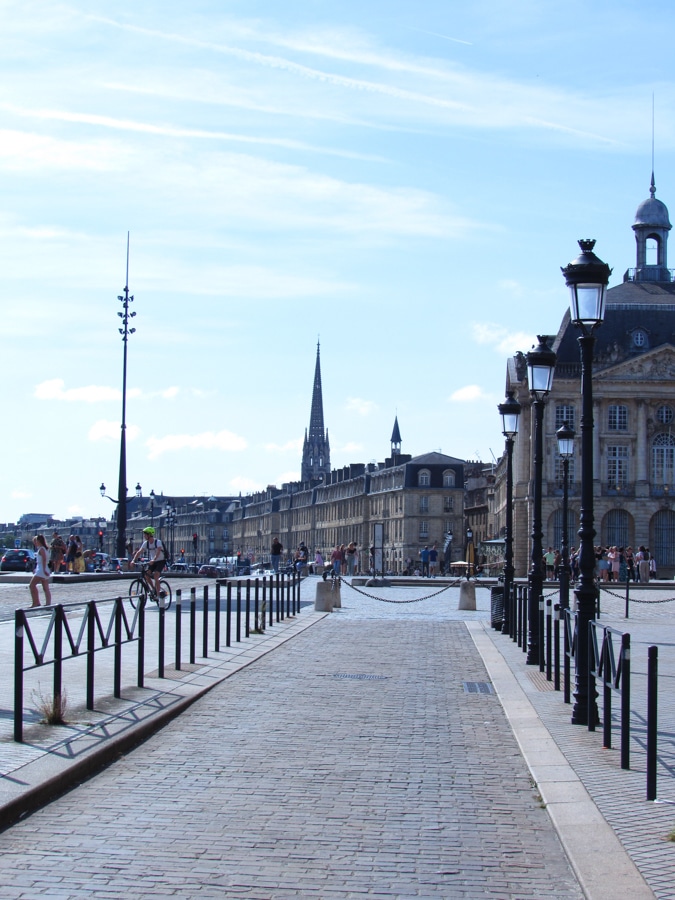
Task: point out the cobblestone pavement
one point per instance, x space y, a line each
350 762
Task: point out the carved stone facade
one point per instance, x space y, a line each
634 414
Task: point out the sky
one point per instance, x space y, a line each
400 181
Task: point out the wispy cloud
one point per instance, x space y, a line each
105 430
245 485
349 447
505 342
116 124
294 446
20 495
55 389
206 440
285 477
362 407
468 394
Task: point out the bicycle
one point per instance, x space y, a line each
143 589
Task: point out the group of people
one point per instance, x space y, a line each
612 564
71 556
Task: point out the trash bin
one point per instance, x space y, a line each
497 606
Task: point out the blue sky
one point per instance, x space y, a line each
402 180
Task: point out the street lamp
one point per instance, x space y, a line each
125 331
152 508
469 552
509 410
587 278
565 436
540 366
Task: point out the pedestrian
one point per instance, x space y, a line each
433 561
623 567
652 565
336 560
56 552
41 575
78 561
343 559
549 559
424 557
350 553
642 559
630 564
70 553
614 558
318 559
275 554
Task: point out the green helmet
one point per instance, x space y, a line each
150 531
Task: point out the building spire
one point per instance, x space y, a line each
396 439
316 448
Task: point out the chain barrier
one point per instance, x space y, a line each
400 602
605 590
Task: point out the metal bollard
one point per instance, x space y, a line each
179 608
652 711
205 623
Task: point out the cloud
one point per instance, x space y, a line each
207 440
362 407
245 485
505 342
294 445
350 447
20 495
21 151
468 394
75 511
285 477
54 389
110 431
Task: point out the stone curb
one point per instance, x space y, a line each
603 867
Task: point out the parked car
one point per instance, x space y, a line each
117 564
17 561
179 567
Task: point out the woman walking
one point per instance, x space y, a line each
41 576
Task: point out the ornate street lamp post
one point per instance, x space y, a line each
587 278
540 366
509 410
565 436
102 489
470 552
125 331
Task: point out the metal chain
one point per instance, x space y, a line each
400 602
634 600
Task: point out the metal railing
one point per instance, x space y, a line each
81 629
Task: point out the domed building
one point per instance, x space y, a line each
634 413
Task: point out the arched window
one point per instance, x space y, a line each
652 250
572 528
448 478
663 544
663 460
617 528
424 478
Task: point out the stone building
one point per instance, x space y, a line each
634 413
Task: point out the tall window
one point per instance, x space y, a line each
663 460
617 418
424 504
617 466
572 537
448 504
448 479
424 478
616 528
424 529
559 475
564 414
663 530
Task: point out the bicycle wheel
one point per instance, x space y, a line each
166 587
137 591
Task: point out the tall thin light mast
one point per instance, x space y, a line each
125 331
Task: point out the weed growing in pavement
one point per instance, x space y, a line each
53 708
671 836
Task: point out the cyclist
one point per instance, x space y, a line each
156 554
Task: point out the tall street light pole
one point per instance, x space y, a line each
565 436
125 331
587 278
540 366
509 410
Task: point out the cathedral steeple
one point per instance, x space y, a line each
316 448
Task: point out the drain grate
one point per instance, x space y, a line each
478 687
361 677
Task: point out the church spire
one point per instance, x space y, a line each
395 439
316 448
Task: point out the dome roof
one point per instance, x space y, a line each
652 212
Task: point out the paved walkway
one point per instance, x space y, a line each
352 762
